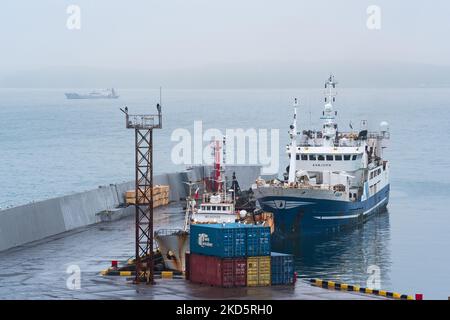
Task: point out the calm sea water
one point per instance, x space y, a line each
51 146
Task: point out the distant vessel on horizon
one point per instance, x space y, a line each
104 94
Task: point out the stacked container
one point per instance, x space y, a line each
218 254
220 240
215 271
258 240
282 268
258 256
258 271
234 255
230 255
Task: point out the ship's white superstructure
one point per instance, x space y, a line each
332 175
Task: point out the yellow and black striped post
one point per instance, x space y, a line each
347 287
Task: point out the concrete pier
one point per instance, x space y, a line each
39 220
45 269
45 244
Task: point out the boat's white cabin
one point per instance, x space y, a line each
219 208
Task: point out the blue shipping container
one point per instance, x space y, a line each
226 240
282 266
258 240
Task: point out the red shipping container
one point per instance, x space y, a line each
213 275
228 272
240 272
197 268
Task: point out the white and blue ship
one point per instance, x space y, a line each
104 94
334 180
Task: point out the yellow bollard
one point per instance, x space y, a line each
166 274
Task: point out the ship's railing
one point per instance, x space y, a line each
282 185
340 143
316 186
378 135
140 121
167 232
345 139
143 121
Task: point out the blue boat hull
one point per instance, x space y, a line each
298 215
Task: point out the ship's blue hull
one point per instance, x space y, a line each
298 215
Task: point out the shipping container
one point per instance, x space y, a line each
258 271
219 272
197 268
240 272
282 266
258 240
226 240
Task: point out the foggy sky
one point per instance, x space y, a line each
198 42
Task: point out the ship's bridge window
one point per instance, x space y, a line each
371 175
208 208
338 157
346 157
354 157
312 157
329 157
304 157
320 157
214 208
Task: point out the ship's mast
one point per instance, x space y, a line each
217 169
222 169
293 149
329 124
190 206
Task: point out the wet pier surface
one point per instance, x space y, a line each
44 270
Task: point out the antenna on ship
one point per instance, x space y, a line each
330 94
328 114
293 147
190 204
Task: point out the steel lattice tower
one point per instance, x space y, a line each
143 126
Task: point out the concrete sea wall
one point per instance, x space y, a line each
36 221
